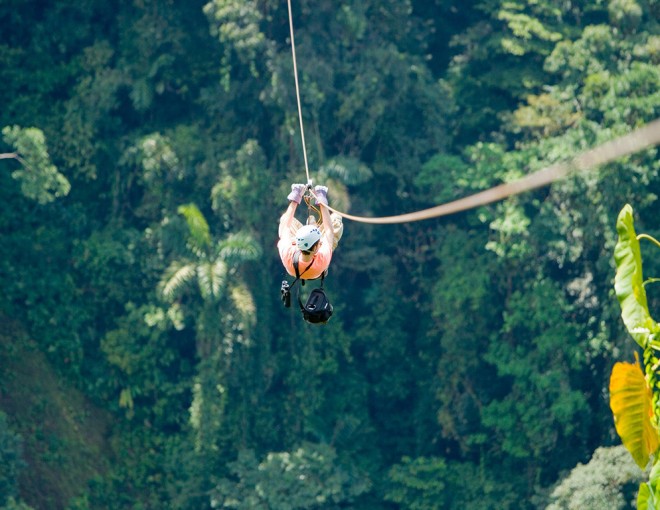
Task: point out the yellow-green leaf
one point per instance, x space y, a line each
647 497
631 404
629 281
645 500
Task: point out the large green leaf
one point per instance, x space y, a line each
647 497
645 500
628 282
631 404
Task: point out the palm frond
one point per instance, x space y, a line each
346 169
198 228
176 277
238 247
243 302
212 277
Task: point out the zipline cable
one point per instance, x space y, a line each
635 141
295 75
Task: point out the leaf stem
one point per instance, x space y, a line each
650 238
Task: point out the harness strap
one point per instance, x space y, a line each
296 258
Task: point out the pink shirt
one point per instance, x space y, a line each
287 248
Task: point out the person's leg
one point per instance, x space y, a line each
295 226
337 228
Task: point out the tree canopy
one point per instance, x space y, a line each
148 148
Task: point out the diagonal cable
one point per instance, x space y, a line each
635 141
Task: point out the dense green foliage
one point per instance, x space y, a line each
148 147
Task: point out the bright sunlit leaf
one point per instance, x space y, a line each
629 281
631 404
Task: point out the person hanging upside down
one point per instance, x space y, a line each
313 244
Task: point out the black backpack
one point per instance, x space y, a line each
317 309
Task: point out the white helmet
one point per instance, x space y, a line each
307 236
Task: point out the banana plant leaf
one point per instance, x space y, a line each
632 406
647 495
629 281
645 498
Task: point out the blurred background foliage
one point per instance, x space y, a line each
148 147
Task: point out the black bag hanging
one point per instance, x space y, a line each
317 309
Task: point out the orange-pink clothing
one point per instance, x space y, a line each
287 248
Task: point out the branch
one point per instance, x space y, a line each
9 155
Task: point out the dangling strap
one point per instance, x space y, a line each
296 258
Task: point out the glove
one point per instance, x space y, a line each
297 192
321 193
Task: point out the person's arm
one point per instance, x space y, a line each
297 191
286 219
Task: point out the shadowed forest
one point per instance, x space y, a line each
147 150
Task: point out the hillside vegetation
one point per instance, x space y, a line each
147 149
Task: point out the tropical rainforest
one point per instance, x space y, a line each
147 150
